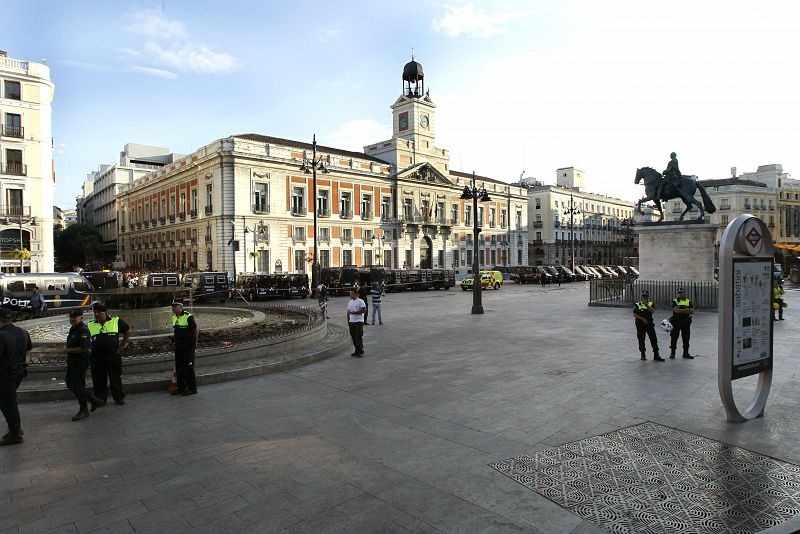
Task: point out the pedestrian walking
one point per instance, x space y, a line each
643 317
377 303
682 311
78 349
362 294
356 314
10 361
21 338
185 341
37 303
106 356
777 302
322 299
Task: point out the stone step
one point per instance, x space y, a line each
336 340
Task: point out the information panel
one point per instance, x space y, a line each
752 316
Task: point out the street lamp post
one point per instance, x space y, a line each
255 231
475 194
572 210
312 165
232 243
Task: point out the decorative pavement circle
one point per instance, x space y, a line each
651 478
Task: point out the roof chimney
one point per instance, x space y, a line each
733 172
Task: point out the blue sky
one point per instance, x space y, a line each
520 86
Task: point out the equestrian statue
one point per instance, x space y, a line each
672 184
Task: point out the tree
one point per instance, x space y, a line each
78 244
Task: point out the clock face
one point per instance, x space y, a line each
403 122
424 121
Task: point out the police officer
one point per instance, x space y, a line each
643 317
10 361
22 340
777 301
682 310
185 339
79 346
106 356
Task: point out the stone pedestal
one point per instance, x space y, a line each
677 252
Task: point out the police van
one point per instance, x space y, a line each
207 286
60 290
163 280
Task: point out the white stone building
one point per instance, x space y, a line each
27 178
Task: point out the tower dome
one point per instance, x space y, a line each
413 74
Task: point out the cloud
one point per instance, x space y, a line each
159 73
153 22
355 135
168 46
324 35
468 20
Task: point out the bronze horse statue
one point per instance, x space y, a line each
658 189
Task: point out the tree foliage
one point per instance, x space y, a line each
78 244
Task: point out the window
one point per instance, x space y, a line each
298 200
13 126
14 163
323 203
386 210
367 236
502 218
172 206
194 202
441 259
209 259
387 258
366 206
468 215
493 257
346 204
300 261
163 207
367 258
347 257
408 209
209 204
519 257
183 205
409 263
347 235
469 257
260 197
724 220
455 258
324 258
154 212
299 233
454 213
539 203
12 90
492 220
538 236
440 209
480 215
325 235
14 201
263 261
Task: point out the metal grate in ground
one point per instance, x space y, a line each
652 478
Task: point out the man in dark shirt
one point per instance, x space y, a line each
9 363
185 339
643 317
22 340
106 358
79 346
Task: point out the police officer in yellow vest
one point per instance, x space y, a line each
185 339
682 310
106 356
643 317
777 302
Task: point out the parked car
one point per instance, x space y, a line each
586 273
634 271
543 273
567 275
489 279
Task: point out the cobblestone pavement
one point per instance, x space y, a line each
400 440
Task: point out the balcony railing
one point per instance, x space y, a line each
298 211
346 214
453 221
183 215
163 220
209 210
747 206
15 211
324 239
537 224
172 218
725 207
299 238
208 239
13 131
347 240
181 242
194 241
492 224
367 239
193 214
261 208
15 169
324 212
366 215
385 217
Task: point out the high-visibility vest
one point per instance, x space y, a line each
777 293
182 320
682 303
111 326
644 306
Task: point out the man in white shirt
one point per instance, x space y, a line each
356 308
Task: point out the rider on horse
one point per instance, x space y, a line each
672 175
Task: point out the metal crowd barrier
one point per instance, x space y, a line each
623 292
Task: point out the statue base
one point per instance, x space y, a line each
677 251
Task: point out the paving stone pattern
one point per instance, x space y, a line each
398 441
650 478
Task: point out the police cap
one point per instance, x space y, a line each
176 303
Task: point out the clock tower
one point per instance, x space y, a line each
413 126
